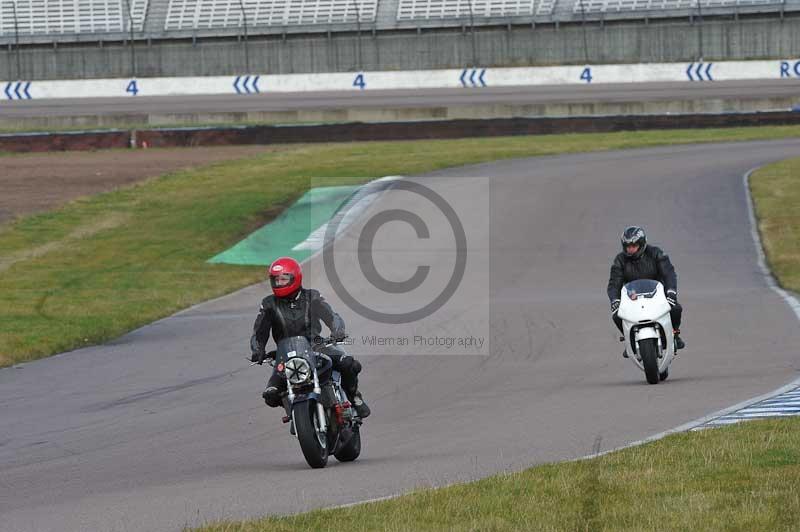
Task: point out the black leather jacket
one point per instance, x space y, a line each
653 264
297 316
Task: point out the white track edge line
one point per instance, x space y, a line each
790 300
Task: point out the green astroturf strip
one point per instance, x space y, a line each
293 226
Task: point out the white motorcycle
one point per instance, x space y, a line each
647 328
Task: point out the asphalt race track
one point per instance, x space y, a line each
165 427
266 101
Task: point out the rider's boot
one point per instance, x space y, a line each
679 343
624 351
360 406
271 396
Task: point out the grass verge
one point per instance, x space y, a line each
742 477
107 264
776 194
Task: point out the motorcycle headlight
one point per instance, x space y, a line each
297 370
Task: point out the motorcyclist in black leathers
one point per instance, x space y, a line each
641 261
296 311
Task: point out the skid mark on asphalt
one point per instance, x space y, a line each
157 392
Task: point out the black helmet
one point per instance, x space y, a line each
634 235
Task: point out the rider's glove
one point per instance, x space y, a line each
672 298
614 306
258 358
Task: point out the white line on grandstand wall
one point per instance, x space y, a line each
473 79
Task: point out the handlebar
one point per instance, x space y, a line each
319 340
328 341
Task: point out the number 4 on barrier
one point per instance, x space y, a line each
359 82
132 88
586 75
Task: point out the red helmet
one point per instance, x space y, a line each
285 276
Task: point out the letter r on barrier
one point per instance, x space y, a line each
785 70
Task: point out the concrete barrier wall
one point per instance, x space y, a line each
471 78
617 42
400 114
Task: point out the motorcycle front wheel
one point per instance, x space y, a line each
312 442
648 349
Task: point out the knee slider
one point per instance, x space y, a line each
346 364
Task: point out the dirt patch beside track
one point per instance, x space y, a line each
41 181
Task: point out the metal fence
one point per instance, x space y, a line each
142 22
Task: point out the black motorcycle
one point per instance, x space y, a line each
318 410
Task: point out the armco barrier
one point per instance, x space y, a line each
445 129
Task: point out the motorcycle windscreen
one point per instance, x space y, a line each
293 346
646 288
643 300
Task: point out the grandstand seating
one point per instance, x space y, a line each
139 13
201 14
545 7
45 17
614 6
57 20
441 9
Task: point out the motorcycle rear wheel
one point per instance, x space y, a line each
314 446
648 349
